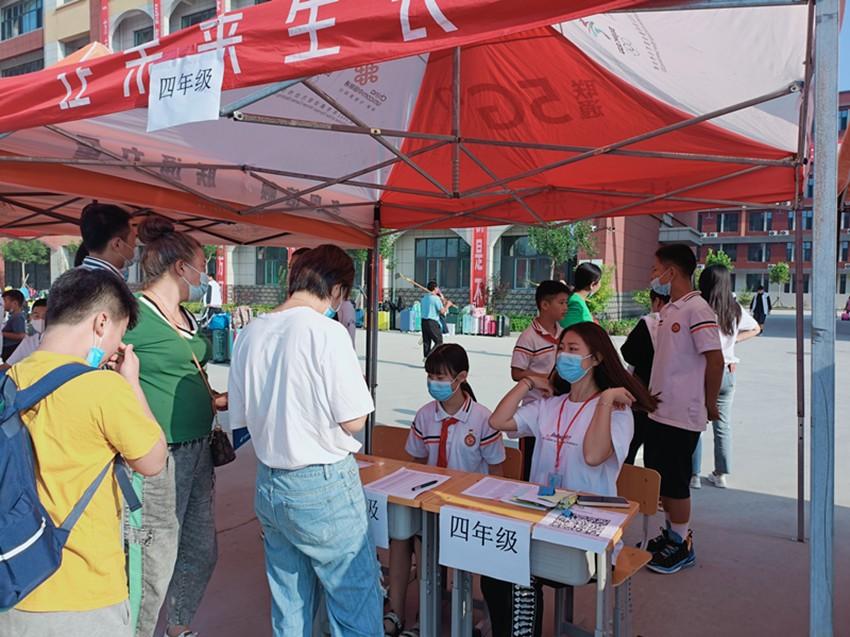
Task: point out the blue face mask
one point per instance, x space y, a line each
199 291
569 367
330 312
440 390
661 288
95 357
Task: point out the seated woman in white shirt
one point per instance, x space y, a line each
296 383
582 429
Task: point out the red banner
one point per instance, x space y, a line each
157 19
478 277
277 41
221 270
219 7
104 22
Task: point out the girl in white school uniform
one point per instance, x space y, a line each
451 431
582 430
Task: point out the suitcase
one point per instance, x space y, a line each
383 320
481 325
359 317
406 321
470 324
489 326
503 326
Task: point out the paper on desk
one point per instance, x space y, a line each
362 464
401 483
513 493
589 529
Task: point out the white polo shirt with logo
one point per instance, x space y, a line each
471 445
687 330
536 351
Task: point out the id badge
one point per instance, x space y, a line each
554 480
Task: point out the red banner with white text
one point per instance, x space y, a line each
478 278
221 270
157 19
104 22
277 41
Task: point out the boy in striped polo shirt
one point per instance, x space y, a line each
686 375
537 347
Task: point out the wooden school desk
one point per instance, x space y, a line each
553 562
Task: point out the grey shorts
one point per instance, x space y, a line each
110 621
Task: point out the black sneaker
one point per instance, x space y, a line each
678 554
659 542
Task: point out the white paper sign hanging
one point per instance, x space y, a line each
185 89
485 544
376 514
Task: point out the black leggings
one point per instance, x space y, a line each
432 335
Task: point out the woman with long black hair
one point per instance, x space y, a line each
588 277
736 325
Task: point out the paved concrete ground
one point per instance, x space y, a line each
751 578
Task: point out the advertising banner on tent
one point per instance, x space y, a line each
185 90
478 277
276 41
104 22
157 19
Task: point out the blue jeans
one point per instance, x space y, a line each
722 429
316 539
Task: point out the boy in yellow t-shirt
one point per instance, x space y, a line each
75 431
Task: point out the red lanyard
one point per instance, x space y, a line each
559 440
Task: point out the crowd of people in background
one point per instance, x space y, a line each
295 382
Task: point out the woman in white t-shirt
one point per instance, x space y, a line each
736 325
583 431
296 383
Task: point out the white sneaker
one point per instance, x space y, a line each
717 479
695 482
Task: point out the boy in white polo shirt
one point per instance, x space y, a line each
537 347
686 375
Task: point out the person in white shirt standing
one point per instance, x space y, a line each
296 383
736 325
109 239
687 371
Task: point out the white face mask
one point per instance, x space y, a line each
37 325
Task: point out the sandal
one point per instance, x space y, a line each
411 632
395 621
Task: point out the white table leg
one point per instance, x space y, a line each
604 596
462 604
429 584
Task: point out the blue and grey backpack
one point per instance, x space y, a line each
30 543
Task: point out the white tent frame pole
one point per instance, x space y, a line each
691 121
686 5
256 96
799 332
723 202
372 325
824 270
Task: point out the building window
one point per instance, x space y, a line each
140 36
807 251
727 222
808 218
843 250
271 262
444 260
196 18
19 18
758 252
842 120
70 46
20 69
523 267
791 286
731 250
700 222
789 252
842 284
845 220
760 221
755 280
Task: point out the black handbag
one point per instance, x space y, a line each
221 448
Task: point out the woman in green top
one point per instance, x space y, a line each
172 539
587 278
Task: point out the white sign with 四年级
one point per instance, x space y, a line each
376 514
485 544
185 89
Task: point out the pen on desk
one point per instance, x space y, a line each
422 486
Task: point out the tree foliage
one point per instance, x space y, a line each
719 258
26 251
563 242
598 302
210 253
642 298
387 248
779 273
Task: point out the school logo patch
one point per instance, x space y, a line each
470 439
675 327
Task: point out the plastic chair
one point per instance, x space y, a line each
388 442
512 467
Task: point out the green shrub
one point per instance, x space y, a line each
641 297
519 322
745 298
620 327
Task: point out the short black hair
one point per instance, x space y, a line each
547 289
39 303
320 269
653 296
432 285
15 295
586 274
760 287
678 255
79 293
102 222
